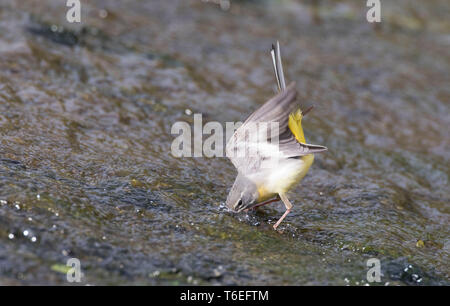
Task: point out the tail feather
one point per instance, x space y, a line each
278 66
274 63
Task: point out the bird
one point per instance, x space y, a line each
272 162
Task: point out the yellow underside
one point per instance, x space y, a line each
300 167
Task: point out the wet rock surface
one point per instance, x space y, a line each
85 122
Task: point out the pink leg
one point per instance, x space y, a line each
281 219
263 203
266 202
288 205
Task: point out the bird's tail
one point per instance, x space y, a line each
278 67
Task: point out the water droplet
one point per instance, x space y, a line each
33 239
103 13
155 273
11 236
218 271
225 5
25 233
38 196
416 278
188 112
54 28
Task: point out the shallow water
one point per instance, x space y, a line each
85 166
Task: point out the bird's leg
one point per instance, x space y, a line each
288 205
265 203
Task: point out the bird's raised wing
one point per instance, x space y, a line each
265 136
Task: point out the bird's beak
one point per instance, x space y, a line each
243 208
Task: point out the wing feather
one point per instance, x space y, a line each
247 150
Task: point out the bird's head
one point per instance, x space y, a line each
243 194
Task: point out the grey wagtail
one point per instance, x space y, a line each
280 160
